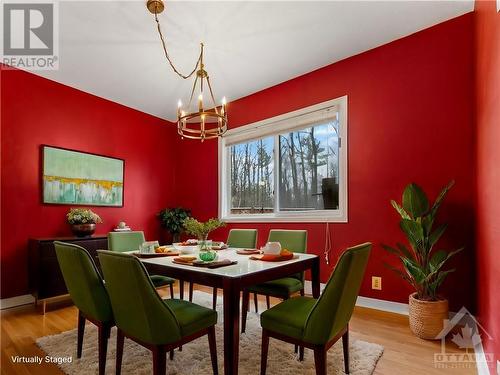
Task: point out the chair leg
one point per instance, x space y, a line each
103 334
301 353
296 349
345 346
213 349
302 293
255 302
191 292
268 302
181 289
81 331
320 360
159 360
214 299
264 351
244 310
172 355
172 291
119 350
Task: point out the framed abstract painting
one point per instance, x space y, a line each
81 178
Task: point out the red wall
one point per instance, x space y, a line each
487 31
37 111
410 119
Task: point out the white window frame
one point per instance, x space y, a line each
278 125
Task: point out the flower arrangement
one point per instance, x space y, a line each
202 230
77 216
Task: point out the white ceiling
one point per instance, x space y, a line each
111 49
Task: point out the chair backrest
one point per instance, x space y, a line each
83 281
125 241
242 238
138 309
293 240
334 308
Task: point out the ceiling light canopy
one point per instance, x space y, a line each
195 121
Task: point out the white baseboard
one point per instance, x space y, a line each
372 303
7 303
383 305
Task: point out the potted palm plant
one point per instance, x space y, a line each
423 266
172 219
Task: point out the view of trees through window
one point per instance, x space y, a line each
307 171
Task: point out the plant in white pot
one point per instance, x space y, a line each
423 266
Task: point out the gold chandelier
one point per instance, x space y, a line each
202 123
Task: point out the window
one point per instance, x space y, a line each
288 168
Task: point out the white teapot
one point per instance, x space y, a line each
272 248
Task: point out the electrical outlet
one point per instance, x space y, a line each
376 282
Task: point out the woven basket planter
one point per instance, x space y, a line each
426 317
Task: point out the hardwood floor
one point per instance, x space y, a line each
404 353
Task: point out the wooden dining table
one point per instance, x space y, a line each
232 280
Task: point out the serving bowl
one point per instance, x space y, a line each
185 249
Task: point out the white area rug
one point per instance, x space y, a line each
195 358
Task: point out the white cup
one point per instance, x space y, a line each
272 248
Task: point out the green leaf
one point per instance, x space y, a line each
434 286
391 249
427 222
414 232
415 201
400 210
407 253
437 260
399 272
414 270
436 235
439 263
440 198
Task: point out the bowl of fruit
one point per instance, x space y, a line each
186 247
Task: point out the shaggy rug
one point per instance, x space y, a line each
195 358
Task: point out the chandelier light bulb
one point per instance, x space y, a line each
179 104
224 101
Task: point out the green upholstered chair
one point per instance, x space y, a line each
242 238
238 238
86 288
129 241
293 240
318 323
141 315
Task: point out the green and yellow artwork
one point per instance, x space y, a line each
72 177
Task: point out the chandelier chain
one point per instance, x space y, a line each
168 57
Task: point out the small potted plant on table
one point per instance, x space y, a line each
423 266
82 221
201 231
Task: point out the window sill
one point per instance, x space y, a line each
301 218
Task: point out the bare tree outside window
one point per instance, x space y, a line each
309 168
252 177
307 171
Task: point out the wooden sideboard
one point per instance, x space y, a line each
45 277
